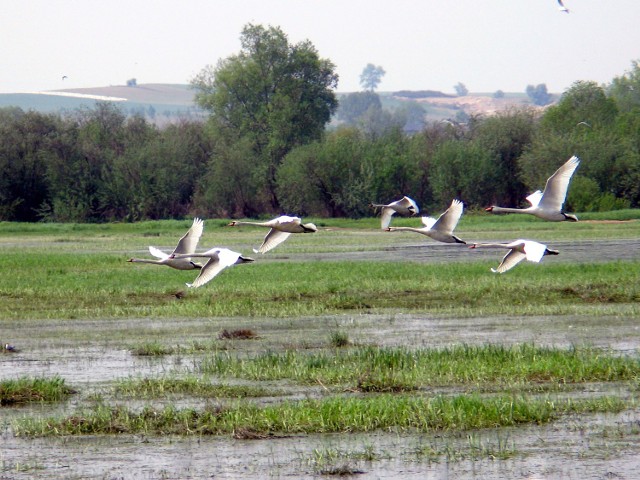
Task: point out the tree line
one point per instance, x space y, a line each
265 148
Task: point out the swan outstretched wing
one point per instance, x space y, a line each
385 218
534 251
272 240
218 261
555 191
158 253
189 242
510 260
534 198
447 222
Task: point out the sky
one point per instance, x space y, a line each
487 45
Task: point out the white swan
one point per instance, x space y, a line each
405 206
440 229
219 259
548 204
281 228
186 245
518 251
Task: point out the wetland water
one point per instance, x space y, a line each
576 447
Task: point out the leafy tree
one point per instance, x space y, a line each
371 77
498 94
538 94
275 94
354 105
625 90
461 89
583 105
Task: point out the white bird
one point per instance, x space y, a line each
561 7
440 229
186 246
548 204
518 251
405 206
219 259
280 229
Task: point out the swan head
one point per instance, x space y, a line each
130 260
569 217
232 224
309 228
488 209
548 251
473 245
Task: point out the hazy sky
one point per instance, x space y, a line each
422 44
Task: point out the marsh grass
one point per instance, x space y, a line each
31 390
338 414
375 369
189 386
65 286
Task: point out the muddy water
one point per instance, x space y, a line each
577 447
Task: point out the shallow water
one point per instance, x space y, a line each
575 447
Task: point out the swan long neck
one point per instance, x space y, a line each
144 260
406 229
508 210
255 224
490 245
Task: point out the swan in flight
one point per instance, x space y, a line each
280 229
547 205
561 7
219 259
440 229
405 206
518 251
186 246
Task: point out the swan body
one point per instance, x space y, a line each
547 205
440 229
219 259
280 229
187 244
518 251
405 206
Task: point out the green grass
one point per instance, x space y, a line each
190 386
404 369
68 286
32 390
330 415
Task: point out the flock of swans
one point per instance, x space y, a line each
547 205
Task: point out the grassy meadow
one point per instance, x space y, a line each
75 278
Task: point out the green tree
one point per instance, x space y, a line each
625 90
354 105
273 94
538 94
461 89
371 77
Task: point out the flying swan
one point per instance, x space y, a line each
219 259
405 206
281 227
440 229
187 245
518 251
547 205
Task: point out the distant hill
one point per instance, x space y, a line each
164 103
